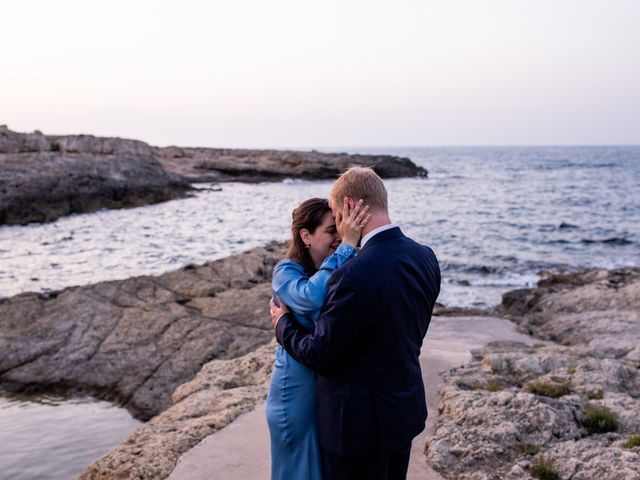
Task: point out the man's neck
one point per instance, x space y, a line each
377 220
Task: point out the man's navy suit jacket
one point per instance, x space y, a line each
366 346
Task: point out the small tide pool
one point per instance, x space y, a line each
52 437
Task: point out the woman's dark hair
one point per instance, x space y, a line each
308 215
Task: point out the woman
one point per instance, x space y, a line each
301 281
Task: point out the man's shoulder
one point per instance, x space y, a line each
422 253
398 244
400 250
410 243
349 272
419 246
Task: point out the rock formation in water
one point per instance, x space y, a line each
43 177
220 165
569 406
134 341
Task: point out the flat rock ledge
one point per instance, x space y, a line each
135 341
565 408
44 177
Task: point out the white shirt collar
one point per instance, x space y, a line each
376 231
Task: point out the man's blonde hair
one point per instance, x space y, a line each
357 183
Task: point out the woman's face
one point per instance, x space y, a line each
324 241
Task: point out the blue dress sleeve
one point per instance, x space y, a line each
306 294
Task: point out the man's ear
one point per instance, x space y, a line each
352 203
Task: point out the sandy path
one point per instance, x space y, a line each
241 450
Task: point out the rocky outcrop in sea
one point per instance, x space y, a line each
44 177
567 408
221 165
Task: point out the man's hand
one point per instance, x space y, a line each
277 311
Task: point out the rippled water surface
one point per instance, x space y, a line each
55 438
494 216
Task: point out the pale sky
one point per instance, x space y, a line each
296 73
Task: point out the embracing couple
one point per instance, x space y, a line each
346 396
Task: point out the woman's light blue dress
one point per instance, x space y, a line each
291 402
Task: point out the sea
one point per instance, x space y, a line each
54 437
496 217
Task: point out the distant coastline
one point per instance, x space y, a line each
44 177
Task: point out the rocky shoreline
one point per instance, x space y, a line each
44 177
568 408
504 415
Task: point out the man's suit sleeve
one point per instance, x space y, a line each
336 332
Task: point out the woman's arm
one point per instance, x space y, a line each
335 338
302 293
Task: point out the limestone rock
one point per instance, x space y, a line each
269 165
515 403
14 142
584 291
598 310
491 424
101 145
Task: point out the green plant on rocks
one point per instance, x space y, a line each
595 394
544 469
528 448
474 386
633 441
600 419
491 386
494 386
549 389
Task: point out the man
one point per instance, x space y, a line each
366 345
